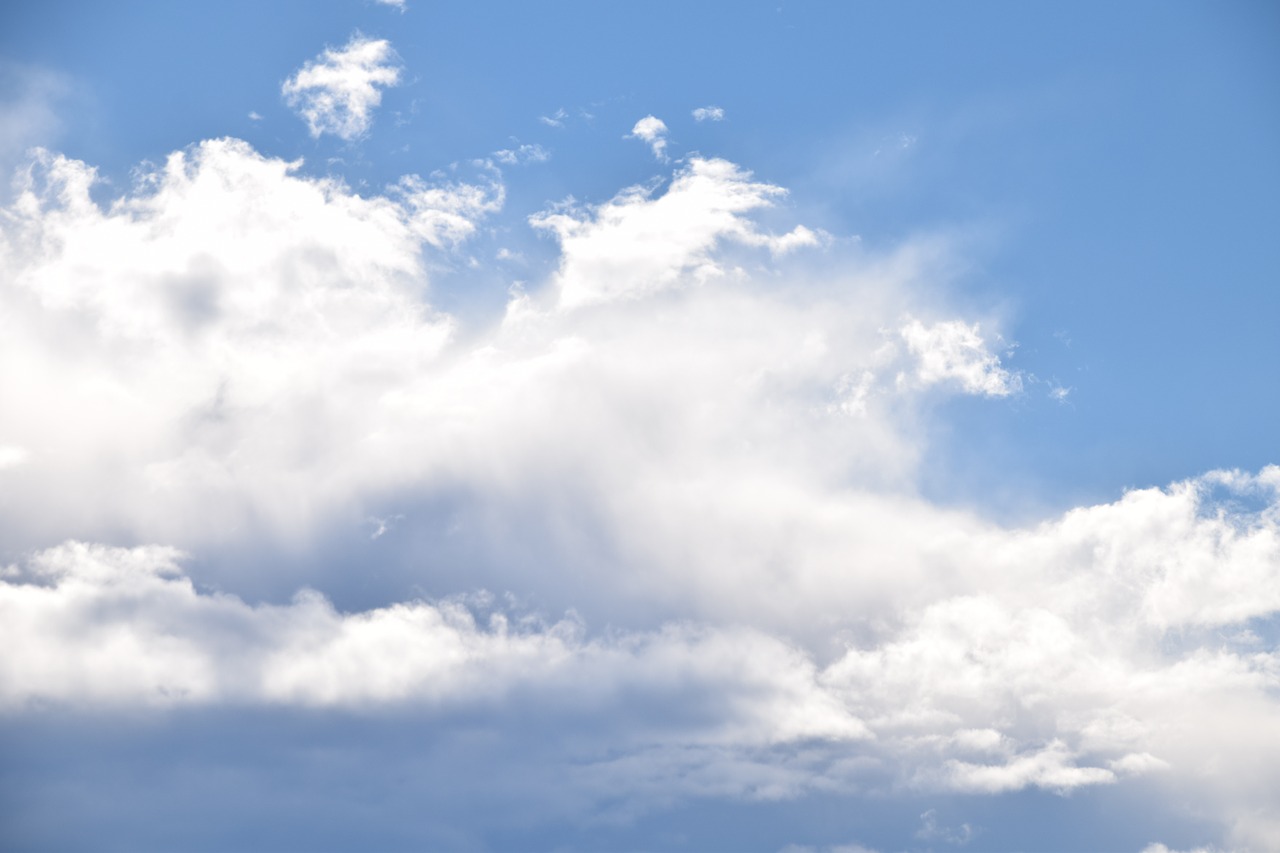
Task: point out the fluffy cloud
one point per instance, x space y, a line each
652 131
1018 686
709 449
710 113
338 91
218 314
954 351
638 244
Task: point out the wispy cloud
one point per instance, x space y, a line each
521 154
710 113
556 119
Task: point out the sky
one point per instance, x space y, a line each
573 426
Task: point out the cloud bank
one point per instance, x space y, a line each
690 430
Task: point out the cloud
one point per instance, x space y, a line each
1053 767
652 131
681 432
125 627
522 154
953 351
1023 686
338 91
28 98
556 119
638 243
12 457
931 831
259 296
709 113
399 5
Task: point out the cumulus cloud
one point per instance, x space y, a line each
229 302
1077 700
709 113
679 431
338 91
652 131
12 456
119 626
638 243
954 351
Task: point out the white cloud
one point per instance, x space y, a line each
229 303
1053 767
11 456
930 830
125 627
338 91
522 154
954 351
399 5
556 119
1077 696
652 131
677 431
637 244
28 97
709 113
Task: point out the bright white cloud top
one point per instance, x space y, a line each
338 91
656 526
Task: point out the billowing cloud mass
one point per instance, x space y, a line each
338 91
683 432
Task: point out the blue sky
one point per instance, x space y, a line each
593 426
